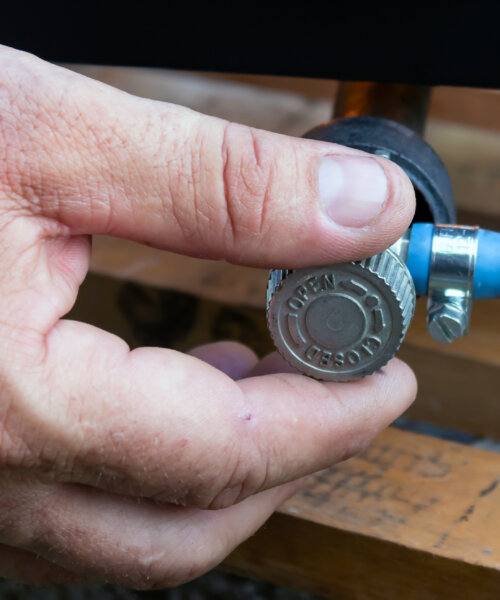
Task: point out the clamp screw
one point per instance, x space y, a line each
383 153
447 322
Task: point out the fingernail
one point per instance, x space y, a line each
353 189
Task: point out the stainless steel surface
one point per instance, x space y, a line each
402 246
447 322
341 322
383 154
451 280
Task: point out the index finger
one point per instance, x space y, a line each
95 160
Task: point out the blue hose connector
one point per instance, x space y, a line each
487 270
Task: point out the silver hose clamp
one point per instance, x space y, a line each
451 281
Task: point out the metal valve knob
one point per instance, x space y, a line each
341 322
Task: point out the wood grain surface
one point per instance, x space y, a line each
412 517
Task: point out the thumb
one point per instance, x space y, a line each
102 161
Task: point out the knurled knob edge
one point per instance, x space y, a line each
388 267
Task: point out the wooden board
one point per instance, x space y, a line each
411 518
459 383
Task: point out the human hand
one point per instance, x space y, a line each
147 467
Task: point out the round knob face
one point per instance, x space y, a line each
341 322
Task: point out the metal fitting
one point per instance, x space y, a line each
341 322
451 281
447 322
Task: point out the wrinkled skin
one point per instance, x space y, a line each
147 467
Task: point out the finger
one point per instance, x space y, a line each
97 160
232 358
160 424
272 363
137 543
26 567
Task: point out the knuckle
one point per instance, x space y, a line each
160 577
23 128
16 447
146 580
248 175
27 117
46 129
9 513
153 567
248 474
22 511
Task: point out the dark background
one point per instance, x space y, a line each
453 43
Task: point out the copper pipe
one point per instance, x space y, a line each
406 104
